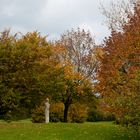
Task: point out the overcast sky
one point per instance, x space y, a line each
53 17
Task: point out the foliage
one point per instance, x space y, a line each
38 115
78 113
24 60
80 51
78 63
95 115
119 72
56 112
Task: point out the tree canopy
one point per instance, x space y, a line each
119 71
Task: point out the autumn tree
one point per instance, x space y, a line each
81 51
119 71
78 60
23 61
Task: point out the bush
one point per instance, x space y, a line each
56 112
15 114
130 121
77 113
38 115
95 115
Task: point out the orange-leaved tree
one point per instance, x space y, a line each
118 74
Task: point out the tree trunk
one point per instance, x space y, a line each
66 109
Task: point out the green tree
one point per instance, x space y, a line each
21 61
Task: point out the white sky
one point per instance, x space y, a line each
53 17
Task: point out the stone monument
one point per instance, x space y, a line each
47 107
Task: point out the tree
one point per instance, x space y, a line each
81 51
21 61
118 13
78 62
119 69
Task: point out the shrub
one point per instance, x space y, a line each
56 112
78 113
130 121
38 115
15 114
95 115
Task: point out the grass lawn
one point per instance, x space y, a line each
25 130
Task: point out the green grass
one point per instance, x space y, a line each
25 130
